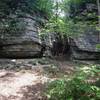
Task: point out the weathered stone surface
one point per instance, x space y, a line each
21 44
84 47
20 51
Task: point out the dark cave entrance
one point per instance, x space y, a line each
61 47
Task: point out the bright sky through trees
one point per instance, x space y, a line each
59 11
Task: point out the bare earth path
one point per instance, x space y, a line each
26 84
21 85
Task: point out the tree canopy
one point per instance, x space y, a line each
75 12
78 15
28 6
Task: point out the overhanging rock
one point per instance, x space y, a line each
22 42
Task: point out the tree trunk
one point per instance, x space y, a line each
98 4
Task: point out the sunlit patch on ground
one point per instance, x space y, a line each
20 86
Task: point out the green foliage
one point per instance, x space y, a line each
65 27
98 46
45 6
55 25
74 29
77 15
80 15
12 26
83 10
27 6
10 10
75 87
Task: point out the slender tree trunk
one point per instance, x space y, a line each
98 4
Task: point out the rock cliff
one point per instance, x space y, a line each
20 40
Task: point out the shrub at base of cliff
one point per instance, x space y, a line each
74 88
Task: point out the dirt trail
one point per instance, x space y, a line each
25 84
21 85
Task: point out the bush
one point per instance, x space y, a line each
73 88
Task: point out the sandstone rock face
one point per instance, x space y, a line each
21 43
85 47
